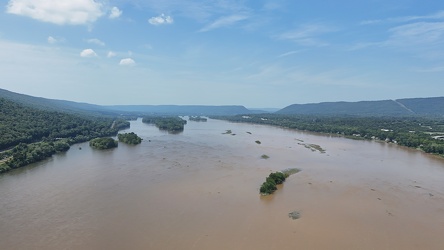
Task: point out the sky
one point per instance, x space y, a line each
258 53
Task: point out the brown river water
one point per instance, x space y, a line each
200 190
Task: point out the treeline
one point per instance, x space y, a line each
33 134
24 154
170 124
414 132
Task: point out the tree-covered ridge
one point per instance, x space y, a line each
103 143
432 106
129 138
33 134
21 124
171 124
416 132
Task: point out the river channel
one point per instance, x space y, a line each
200 190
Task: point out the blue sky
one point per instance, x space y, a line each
253 53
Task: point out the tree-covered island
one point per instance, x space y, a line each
103 143
198 119
171 124
129 138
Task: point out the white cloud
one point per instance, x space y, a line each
307 35
88 53
162 19
417 33
52 40
74 12
223 22
436 16
115 13
289 53
111 54
96 41
127 62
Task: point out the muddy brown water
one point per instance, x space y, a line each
199 190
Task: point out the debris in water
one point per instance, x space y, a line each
294 215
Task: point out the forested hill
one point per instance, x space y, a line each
433 106
183 109
24 124
56 105
112 111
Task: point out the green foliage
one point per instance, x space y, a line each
269 186
22 124
129 138
265 156
24 154
103 143
170 124
277 177
258 142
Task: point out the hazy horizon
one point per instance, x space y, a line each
252 53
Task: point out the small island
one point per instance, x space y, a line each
129 138
269 186
198 119
103 143
171 124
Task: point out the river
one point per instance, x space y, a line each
200 190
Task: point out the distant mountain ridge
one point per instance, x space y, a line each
92 109
182 109
55 105
433 106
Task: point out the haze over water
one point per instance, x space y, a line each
200 190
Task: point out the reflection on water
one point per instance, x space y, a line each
199 190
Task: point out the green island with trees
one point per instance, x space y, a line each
172 124
269 186
198 118
103 143
28 134
129 138
274 179
419 132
